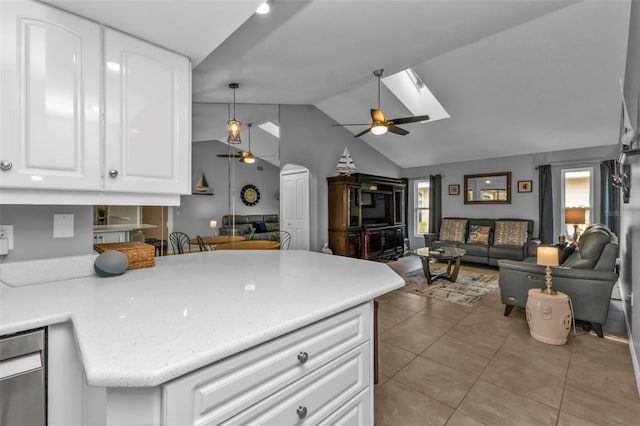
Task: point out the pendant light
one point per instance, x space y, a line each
248 157
233 125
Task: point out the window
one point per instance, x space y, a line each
577 191
421 197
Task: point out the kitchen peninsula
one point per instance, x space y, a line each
213 337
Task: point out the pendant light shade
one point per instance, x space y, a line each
233 125
248 157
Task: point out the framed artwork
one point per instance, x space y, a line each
454 189
525 186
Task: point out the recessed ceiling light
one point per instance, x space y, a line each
264 8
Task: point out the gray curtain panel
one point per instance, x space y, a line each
610 197
435 203
545 204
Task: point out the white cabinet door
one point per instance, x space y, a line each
50 105
147 117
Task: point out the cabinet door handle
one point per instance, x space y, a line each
6 165
303 357
113 173
302 412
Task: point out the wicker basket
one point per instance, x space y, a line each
139 255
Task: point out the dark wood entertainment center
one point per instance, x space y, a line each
367 216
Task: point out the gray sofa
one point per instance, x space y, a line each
587 276
251 226
486 240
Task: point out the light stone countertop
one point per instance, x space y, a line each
151 325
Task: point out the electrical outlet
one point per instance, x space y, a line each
6 231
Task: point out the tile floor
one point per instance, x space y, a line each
447 364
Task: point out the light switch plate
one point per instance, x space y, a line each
6 231
62 225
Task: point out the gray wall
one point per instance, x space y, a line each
308 139
195 211
33 231
630 213
523 167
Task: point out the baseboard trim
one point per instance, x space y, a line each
632 350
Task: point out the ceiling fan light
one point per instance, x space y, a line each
233 128
378 128
249 158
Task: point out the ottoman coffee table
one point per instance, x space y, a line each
451 254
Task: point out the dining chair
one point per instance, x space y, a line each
201 244
284 238
179 240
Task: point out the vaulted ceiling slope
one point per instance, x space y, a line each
516 77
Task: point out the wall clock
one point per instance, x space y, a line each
250 195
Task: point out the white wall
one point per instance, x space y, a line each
630 213
523 205
309 139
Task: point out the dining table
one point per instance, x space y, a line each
214 240
249 245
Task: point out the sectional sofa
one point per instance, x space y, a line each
252 226
486 240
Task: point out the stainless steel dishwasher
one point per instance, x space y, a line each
22 379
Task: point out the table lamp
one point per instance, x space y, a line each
575 216
213 225
548 256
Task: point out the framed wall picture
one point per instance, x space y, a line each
525 186
454 189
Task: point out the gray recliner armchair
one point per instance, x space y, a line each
587 276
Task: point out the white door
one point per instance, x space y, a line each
294 207
148 117
50 107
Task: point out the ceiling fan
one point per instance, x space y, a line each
380 126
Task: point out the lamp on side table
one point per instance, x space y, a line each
548 311
575 216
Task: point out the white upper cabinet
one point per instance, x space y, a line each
97 115
146 121
50 135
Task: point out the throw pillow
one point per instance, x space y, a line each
260 226
479 234
453 230
510 233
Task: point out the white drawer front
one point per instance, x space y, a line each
222 390
356 412
318 394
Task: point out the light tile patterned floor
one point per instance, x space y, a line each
446 364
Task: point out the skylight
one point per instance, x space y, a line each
270 127
414 94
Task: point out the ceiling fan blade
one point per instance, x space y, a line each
377 115
352 124
229 156
405 120
362 133
397 130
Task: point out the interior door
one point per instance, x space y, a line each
294 207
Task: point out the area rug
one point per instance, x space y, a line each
469 289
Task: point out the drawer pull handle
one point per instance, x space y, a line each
302 412
303 357
113 173
6 165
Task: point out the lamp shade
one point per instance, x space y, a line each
213 224
548 256
574 216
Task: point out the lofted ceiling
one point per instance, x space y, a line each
516 76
